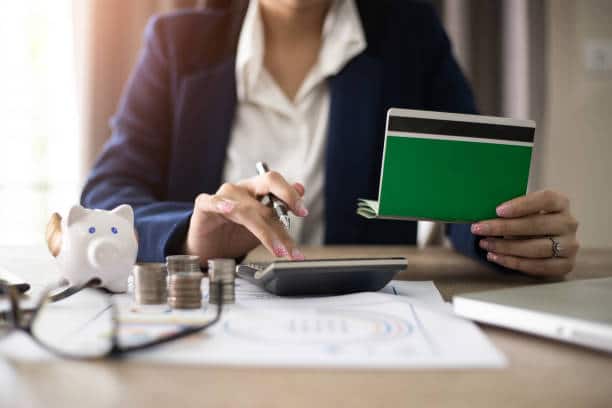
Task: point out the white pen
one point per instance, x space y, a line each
279 206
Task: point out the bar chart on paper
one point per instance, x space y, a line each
332 333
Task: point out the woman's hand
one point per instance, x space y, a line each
522 238
233 221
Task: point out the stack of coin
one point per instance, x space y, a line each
221 279
149 283
184 290
183 264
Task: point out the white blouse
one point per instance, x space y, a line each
290 135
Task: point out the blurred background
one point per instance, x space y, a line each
64 63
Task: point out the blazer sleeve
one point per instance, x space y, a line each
132 168
450 92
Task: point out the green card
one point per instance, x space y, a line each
450 167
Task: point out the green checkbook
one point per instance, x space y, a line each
450 167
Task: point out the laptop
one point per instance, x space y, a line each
578 312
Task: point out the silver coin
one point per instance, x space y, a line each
185 296
226 300
149 283
185 300
182 264
185 277
184 289
226 290
174 301
225 295
176 306
222 270
183 284
223 286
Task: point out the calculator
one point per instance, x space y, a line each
322 276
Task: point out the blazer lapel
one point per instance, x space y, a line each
207 105
353 147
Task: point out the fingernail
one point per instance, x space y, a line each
481 229
490 245
299 187
484 244
279 250
503 210
225 206
301 210
297 255
492 257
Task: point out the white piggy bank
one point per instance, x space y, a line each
94 244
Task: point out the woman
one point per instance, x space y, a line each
303 85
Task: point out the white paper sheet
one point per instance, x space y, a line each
407 325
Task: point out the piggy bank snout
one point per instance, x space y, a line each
103 253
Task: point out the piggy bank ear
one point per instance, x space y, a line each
124 211
76 213
54 234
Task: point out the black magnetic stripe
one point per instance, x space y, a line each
463 129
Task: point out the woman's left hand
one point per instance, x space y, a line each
522 238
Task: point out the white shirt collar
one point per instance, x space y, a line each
343 38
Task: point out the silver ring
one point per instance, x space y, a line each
556 247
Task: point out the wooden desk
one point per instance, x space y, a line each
540 372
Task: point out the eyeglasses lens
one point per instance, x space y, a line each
80 325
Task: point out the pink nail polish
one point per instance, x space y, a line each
297 255
301 210
279 250
480 229
503 210
225 206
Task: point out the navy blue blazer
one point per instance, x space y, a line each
172 127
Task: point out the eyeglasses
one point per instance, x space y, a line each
81 323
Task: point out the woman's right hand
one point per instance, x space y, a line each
233 221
